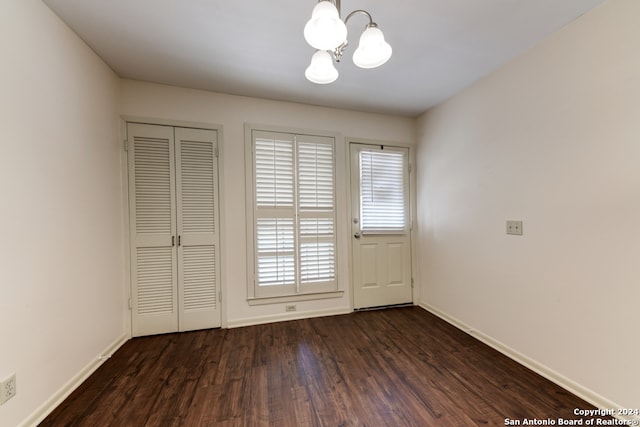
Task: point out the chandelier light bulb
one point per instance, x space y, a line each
325 30
321 70
372 50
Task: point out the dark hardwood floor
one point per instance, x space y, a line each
394 367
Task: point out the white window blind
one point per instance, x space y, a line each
383 187
294 213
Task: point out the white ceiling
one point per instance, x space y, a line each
256 47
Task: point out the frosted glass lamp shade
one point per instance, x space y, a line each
325 30
321 70
373 50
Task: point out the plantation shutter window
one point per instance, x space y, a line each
294 213
383 191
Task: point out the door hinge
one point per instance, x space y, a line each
217 152
126 145
129 302
412 283
409 167
220 296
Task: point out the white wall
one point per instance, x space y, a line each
61 256
232 112
553 139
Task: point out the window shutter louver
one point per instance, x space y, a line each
317 193
294 213
383 192
274 173
275 243
315 165
274 209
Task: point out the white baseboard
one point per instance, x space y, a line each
571 386
286 316
57 398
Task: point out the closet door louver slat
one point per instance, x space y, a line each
155 281
197 190
199 278
152 185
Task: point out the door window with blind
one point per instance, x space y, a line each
383 190
292 214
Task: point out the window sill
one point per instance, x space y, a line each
294 298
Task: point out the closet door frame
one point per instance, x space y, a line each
128 297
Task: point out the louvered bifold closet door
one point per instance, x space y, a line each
152 204
198 250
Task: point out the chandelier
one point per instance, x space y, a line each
326 32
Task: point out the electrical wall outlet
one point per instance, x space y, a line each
7 389
514 227
290 308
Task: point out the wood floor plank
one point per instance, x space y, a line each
394 367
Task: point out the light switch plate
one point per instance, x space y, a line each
7 389
514 227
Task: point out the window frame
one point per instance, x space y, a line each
297 291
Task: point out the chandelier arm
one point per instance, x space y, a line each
363 12
338 52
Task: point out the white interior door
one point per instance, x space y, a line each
380 226
152 204
198 258
173 229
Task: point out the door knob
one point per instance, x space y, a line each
357 235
